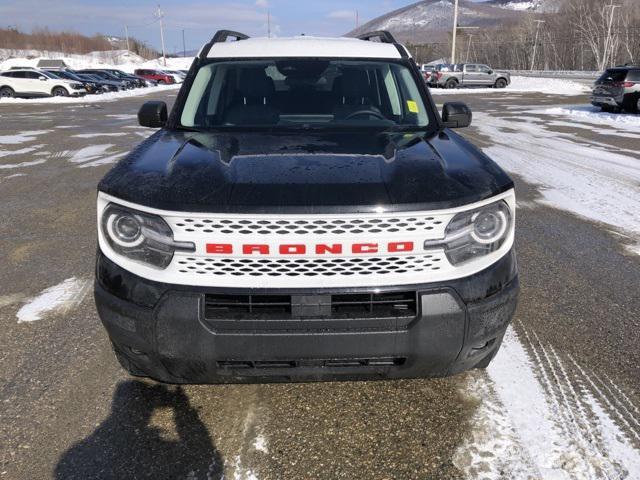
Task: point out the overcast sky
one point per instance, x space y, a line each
198 18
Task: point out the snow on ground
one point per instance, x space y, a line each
105 97
552 86
588 179
54 300
594 115
542 416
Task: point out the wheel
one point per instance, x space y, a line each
631 103
500 83
453 83
161 82
60 92
7 92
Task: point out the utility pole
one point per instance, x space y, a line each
455 31
184 45
126 34
535 43
164 54
268 23
608 43
466 59
357 18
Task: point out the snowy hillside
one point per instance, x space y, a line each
121 59
541 6
431 20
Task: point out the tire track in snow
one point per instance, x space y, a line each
542 416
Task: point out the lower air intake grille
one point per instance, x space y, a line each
283 307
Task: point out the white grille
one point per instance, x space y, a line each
301 226
311 267
315 262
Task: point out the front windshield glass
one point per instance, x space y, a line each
304 93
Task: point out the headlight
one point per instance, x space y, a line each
475 233
140 236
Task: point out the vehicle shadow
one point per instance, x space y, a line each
127 445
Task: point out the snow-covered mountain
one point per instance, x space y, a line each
540 6
431 20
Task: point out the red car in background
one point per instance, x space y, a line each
157 75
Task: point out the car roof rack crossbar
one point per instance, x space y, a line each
221 36
384 37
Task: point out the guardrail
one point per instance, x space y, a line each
574 74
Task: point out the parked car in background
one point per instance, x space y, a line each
178 76
128 84
106 85
30 82
471 75
90 86
427 71
618 89
138 81
157 75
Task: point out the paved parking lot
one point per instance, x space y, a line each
560 401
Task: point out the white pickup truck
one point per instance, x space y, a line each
470 75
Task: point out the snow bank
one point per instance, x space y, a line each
594 115
120 59
551 86
105 97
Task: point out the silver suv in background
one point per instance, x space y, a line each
617 89
470 75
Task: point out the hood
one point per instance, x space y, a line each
304 172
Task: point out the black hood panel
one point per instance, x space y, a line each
304 172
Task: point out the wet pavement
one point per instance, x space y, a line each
69 411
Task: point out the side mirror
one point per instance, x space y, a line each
490 72
456 115
153 114
42 78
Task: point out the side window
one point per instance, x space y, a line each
8 74
19 74
471 68
32 75
484 69
633 76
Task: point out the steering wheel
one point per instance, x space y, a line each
365 112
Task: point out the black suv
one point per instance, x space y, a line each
305 213
617 89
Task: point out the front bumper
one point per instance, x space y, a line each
606 100
162 330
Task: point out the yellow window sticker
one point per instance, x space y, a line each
413 106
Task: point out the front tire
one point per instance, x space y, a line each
60 92
7 92
161 82
500 83
451 84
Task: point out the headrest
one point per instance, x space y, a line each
254 83
354 83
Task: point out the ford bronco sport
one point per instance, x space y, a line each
304 213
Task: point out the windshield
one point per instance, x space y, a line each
304 93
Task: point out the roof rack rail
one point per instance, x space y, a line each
220 37
383 35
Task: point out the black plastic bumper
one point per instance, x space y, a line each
159 330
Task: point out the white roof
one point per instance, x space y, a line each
304 46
